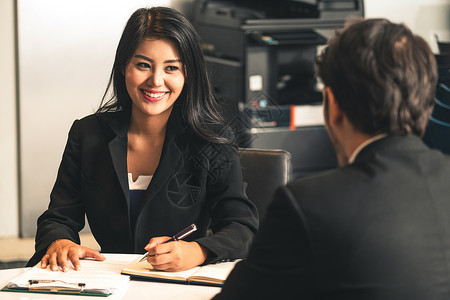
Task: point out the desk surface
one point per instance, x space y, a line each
134 290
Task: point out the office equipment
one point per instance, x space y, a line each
212 274
179 236
95 278
264 170
260 55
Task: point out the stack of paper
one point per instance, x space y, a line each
94 278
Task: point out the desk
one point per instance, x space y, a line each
135 290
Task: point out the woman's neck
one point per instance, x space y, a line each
150 126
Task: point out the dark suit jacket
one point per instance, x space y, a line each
376 229
195 182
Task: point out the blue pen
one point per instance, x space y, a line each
179 236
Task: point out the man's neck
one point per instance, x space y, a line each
348 139
363 144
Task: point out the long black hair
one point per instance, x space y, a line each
198 104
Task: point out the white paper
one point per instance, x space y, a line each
98 276
308 115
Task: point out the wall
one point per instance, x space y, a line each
424 17
9 225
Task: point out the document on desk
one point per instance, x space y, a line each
212 274
95 278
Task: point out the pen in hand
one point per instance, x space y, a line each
179 236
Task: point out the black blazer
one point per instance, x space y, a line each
376 229
195 182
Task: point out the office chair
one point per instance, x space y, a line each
264 170
437 135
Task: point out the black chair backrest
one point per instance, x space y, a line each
264 170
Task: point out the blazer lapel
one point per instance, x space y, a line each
169 164
118 151
171 160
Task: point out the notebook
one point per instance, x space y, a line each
212 274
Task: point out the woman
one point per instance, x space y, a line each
160 131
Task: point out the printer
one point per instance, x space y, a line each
260 55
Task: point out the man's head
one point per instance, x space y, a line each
382 76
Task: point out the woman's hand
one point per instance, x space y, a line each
62 250
174 256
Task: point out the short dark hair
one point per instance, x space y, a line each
198 104
382 75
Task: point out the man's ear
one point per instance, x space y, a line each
335 114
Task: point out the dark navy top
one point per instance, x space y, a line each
137 190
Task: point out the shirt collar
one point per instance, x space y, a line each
363 145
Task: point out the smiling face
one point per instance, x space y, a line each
154 77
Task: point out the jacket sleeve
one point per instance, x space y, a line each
234 219
64 217
279 263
